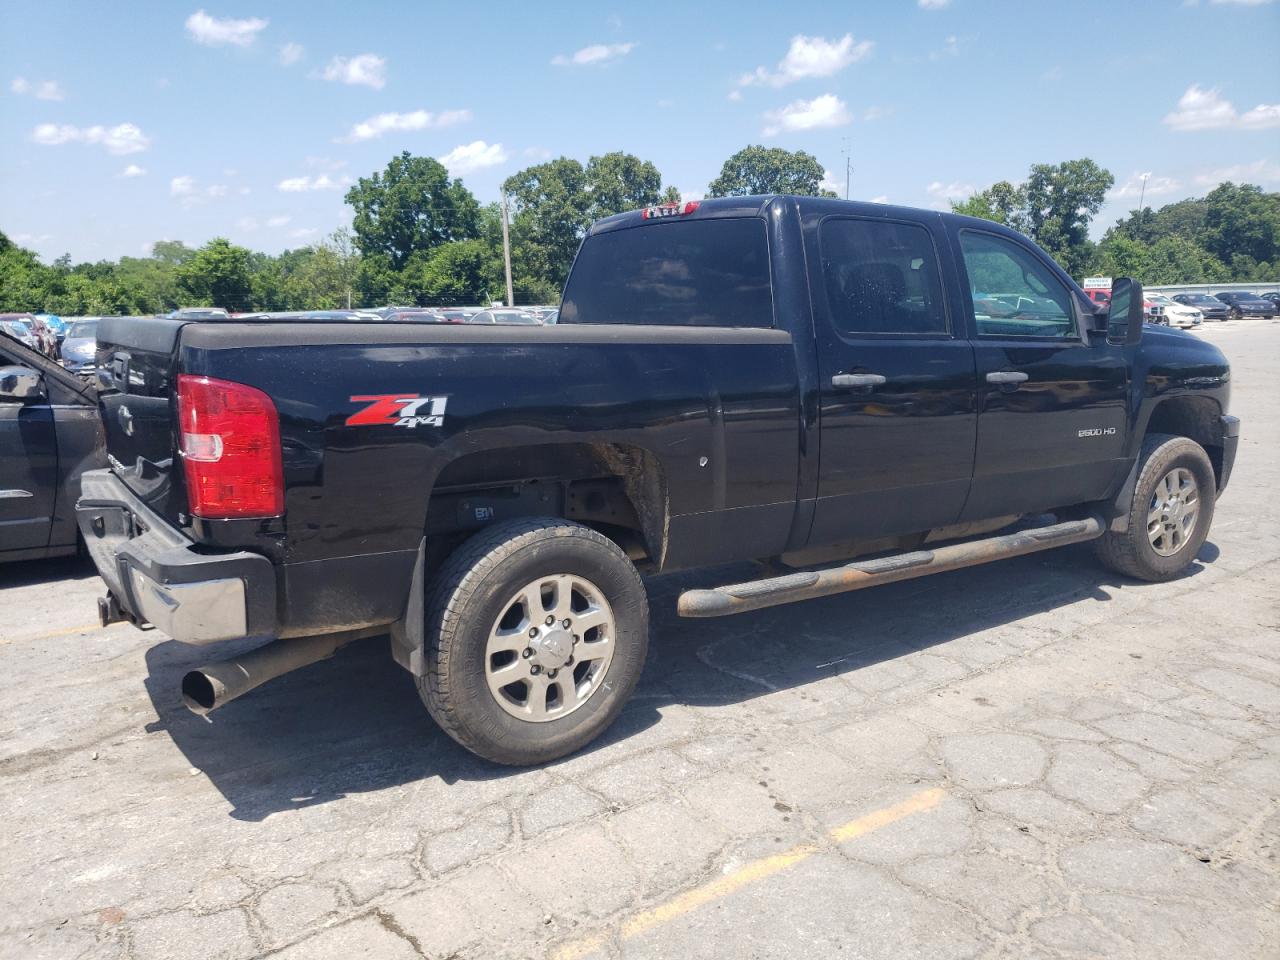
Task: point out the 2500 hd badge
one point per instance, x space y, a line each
1091 432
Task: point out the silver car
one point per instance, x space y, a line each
80 345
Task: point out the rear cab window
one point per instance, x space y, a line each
697 273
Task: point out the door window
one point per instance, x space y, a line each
1014 293
881 277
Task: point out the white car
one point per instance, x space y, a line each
1173 313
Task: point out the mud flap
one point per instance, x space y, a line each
408 634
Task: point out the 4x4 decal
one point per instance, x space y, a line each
399 410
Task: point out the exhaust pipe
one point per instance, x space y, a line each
207 688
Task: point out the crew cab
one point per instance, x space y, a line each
806 381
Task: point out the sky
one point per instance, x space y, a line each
123 124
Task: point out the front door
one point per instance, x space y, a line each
1051 418
28 471
897 383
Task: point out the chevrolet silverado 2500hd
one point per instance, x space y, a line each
797 379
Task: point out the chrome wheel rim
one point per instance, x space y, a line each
1173 512
550 648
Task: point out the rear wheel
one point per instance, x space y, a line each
536 636
1236 314
1169 517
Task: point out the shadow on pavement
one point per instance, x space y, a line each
26 573
354 723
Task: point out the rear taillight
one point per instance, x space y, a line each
230 446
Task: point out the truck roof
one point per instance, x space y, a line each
755 206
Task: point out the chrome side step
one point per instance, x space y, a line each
741 597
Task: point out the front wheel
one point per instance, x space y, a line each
1170 514
536 636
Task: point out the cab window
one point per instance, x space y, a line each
1014 293
881 277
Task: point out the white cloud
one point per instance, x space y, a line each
291 53
190 193
735 95
277 222
933 4
122 139
1156 187
883 198
688 195
384 123
941 194
1201 109
537 153
809 57
363 70
950 48
247 224
1261 172
301 233
827 110
595 53
829 182
40 89
133 170
473 156
307 183
1242 3
24 238
214 32
877 113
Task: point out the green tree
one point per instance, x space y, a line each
410 207
1001 202
756 170
619 182
1242 221
552 211
217 275
1060 200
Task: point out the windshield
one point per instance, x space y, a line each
87 329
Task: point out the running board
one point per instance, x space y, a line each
741 597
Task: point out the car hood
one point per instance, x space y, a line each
79 347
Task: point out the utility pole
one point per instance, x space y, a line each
1143 192
506 251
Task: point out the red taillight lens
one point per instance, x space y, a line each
230 446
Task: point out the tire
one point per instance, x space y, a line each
486 588
1236 314
1133 552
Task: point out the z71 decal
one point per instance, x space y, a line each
399 410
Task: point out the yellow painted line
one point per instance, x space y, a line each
750 873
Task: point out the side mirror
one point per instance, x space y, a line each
19 384
1125 314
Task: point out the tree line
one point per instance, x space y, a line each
419 236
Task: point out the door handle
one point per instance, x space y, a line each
1011 377
850 381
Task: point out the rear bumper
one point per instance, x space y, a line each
157 576
1230 440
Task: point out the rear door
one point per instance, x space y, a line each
28 468
1051 418
896 380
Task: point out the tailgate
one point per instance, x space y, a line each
136 363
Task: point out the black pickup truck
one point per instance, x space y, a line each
797 380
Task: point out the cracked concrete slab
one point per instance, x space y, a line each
1105 756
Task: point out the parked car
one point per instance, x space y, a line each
1172 313
798 378
199 313
455 314
1211 308
49 435
1274 297
80 345
504 315
16 327
57 324
1246 304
